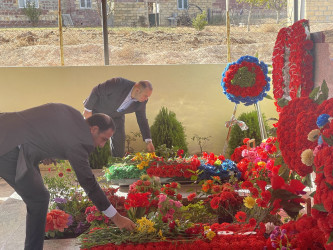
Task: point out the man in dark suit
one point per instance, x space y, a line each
117 97
52 131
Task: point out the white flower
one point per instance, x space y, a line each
269 227
313 135
307 157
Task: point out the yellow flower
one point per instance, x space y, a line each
177 223
137 156
249 202
145 163
151 155
145 225
206 228
160 233
210 234
140 166
217 162
261 163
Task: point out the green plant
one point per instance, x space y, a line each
200 21
100 157
62 182
197 213
123 171
167 130
201 141
253 132
166 153
130 138
32 12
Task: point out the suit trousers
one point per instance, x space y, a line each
34 194
117 142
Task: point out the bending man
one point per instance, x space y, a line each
117 97
52 131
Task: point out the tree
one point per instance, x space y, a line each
109 11
167 130
32 13
278 6
252 4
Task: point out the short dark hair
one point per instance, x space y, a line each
102 121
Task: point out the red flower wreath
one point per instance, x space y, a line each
292 62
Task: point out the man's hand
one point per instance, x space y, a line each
86 114
123 222
150 147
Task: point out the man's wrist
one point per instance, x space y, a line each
110 211
148 141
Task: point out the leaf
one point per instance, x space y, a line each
283 194
321 98
292 209
328 140
329 185
314 93
307 181
313 194
330 239
324 89
269 97
319 207
284 172
282 102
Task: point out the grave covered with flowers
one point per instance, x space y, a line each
261 198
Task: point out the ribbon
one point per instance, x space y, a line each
234 121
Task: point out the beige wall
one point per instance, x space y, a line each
193 92
316 11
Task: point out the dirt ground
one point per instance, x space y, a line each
162 45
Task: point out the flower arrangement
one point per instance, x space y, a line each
225 203
257 162
264 200
212 165
56 221
292 134
118 202
119 171
292 63
319 158
245 80
96 218
300 234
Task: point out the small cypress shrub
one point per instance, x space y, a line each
167 130
200 21
253 131
100 157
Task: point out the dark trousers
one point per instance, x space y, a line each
117 142
34 194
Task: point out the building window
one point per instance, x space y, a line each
85 4
182 4
26 3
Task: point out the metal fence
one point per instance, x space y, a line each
175 43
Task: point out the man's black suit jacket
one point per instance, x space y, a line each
108 96
52 131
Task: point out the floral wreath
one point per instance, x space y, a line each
292 63
245 80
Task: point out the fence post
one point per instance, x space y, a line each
60 34
105 33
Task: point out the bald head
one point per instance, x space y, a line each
142 90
